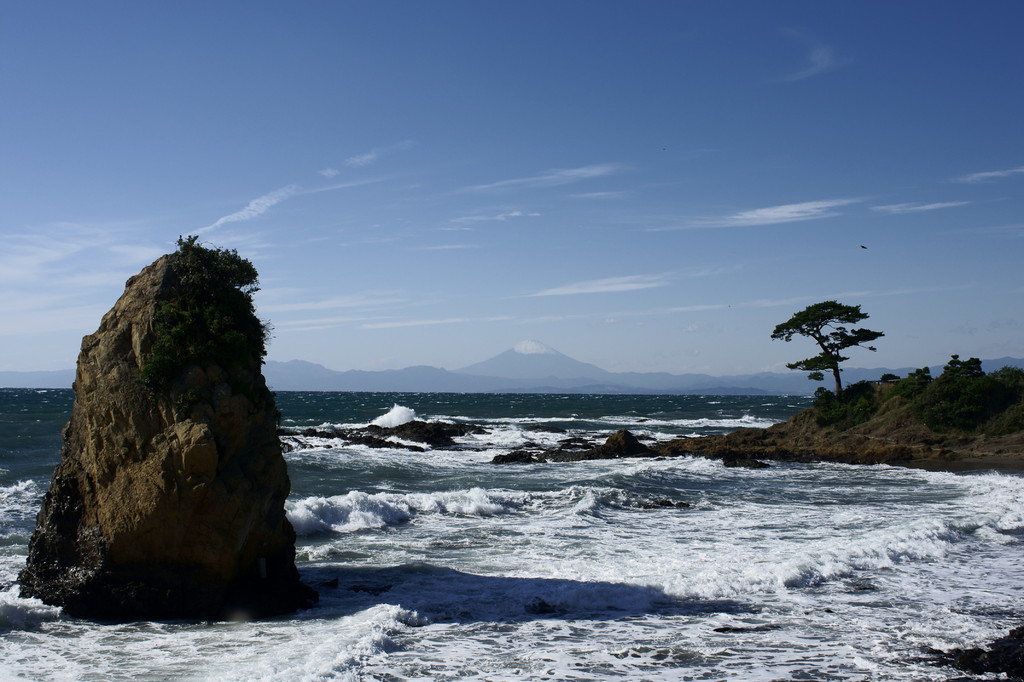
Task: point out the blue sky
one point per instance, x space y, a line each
645 186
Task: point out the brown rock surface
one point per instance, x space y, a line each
169 506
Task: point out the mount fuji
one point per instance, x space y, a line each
534 360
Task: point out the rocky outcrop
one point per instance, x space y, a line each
620 444
171 505
434 434
517 457
1005 655
893 436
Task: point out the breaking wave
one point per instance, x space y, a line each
358 511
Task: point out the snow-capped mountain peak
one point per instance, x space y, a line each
534 348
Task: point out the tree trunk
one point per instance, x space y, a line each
839 381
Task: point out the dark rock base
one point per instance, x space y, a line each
130 593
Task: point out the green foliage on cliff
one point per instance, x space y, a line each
962 399
209 316
855 405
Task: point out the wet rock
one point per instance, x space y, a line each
517 457
620 444
664 504
573 444
1005 655
434 434
744 461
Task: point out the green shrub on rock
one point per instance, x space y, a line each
210 316
855 405
964 398
914 384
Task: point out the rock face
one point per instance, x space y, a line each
167 506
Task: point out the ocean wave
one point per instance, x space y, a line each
19 504
356 510
310 653
594 501
746 421
802 565
396 416
18 498
18 613
371 634
615 421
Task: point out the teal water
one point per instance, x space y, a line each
439 565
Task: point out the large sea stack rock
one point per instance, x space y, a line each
168 501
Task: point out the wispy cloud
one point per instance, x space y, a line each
254 208
329 172
343 185
376 153
773 215
320 323
1011 230
367 300
986 176
820 59
712 270
917 208
608 285
699 308
552 178
448 247
261 205
62 277
500 217
600 195
794 301
425 323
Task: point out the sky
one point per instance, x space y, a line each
646 186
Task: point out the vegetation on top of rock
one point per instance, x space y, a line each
962 399
825 323
209 316
857 404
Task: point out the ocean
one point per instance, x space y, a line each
439 565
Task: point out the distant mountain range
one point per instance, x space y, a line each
529 367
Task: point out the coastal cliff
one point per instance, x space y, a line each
895 436
963 419
168 501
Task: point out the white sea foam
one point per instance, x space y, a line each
396 416
312 654
18 613
741 422
19 504
356 510
19 497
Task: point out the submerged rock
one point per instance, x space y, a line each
167 502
